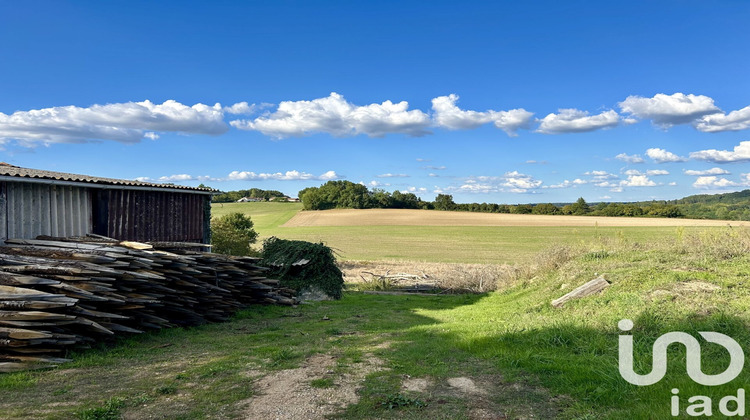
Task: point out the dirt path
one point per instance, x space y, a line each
396 217
289 395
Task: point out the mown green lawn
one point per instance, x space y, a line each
266 217
467 244
531 358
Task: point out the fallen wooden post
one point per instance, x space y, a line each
590 288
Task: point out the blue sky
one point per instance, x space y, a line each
508 102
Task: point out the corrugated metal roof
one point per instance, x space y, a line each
15 171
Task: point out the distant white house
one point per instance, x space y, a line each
249 199
292 200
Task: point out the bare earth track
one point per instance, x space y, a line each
397 217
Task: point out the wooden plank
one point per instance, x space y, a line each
590 288
22 334
69 245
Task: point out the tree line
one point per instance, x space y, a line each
232 196
727 206
346 194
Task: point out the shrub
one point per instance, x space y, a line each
233 234
320 271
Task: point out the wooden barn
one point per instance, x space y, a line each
36 202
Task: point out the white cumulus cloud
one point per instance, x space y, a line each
448 115
629 158
329 176
577 121
335 116
567 184
390 175
177 178
600 175
715 182
734 121
414 190
606 184
712 171
663 156
240 108
668 110
245 176
512 182
128 122
650 172
518 181
637 181
376 184
741 153
280 176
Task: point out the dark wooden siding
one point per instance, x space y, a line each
132 215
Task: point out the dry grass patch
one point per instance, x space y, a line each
452 277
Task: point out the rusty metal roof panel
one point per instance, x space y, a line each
18 172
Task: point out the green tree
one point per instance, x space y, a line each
444 202
546 208
522 209
233 234
580 207
381 199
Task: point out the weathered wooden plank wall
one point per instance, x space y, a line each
131 215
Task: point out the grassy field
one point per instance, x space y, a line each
267 217
410 354
406 217
466 244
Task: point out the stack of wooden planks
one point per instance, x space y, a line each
58 294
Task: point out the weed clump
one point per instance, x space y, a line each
548 260
394 401
303 265
110 410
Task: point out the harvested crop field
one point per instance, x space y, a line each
397 217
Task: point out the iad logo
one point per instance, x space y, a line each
693 353
701 404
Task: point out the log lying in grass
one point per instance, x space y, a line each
58 294
590 288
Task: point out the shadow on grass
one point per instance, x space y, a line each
582 363
207 367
